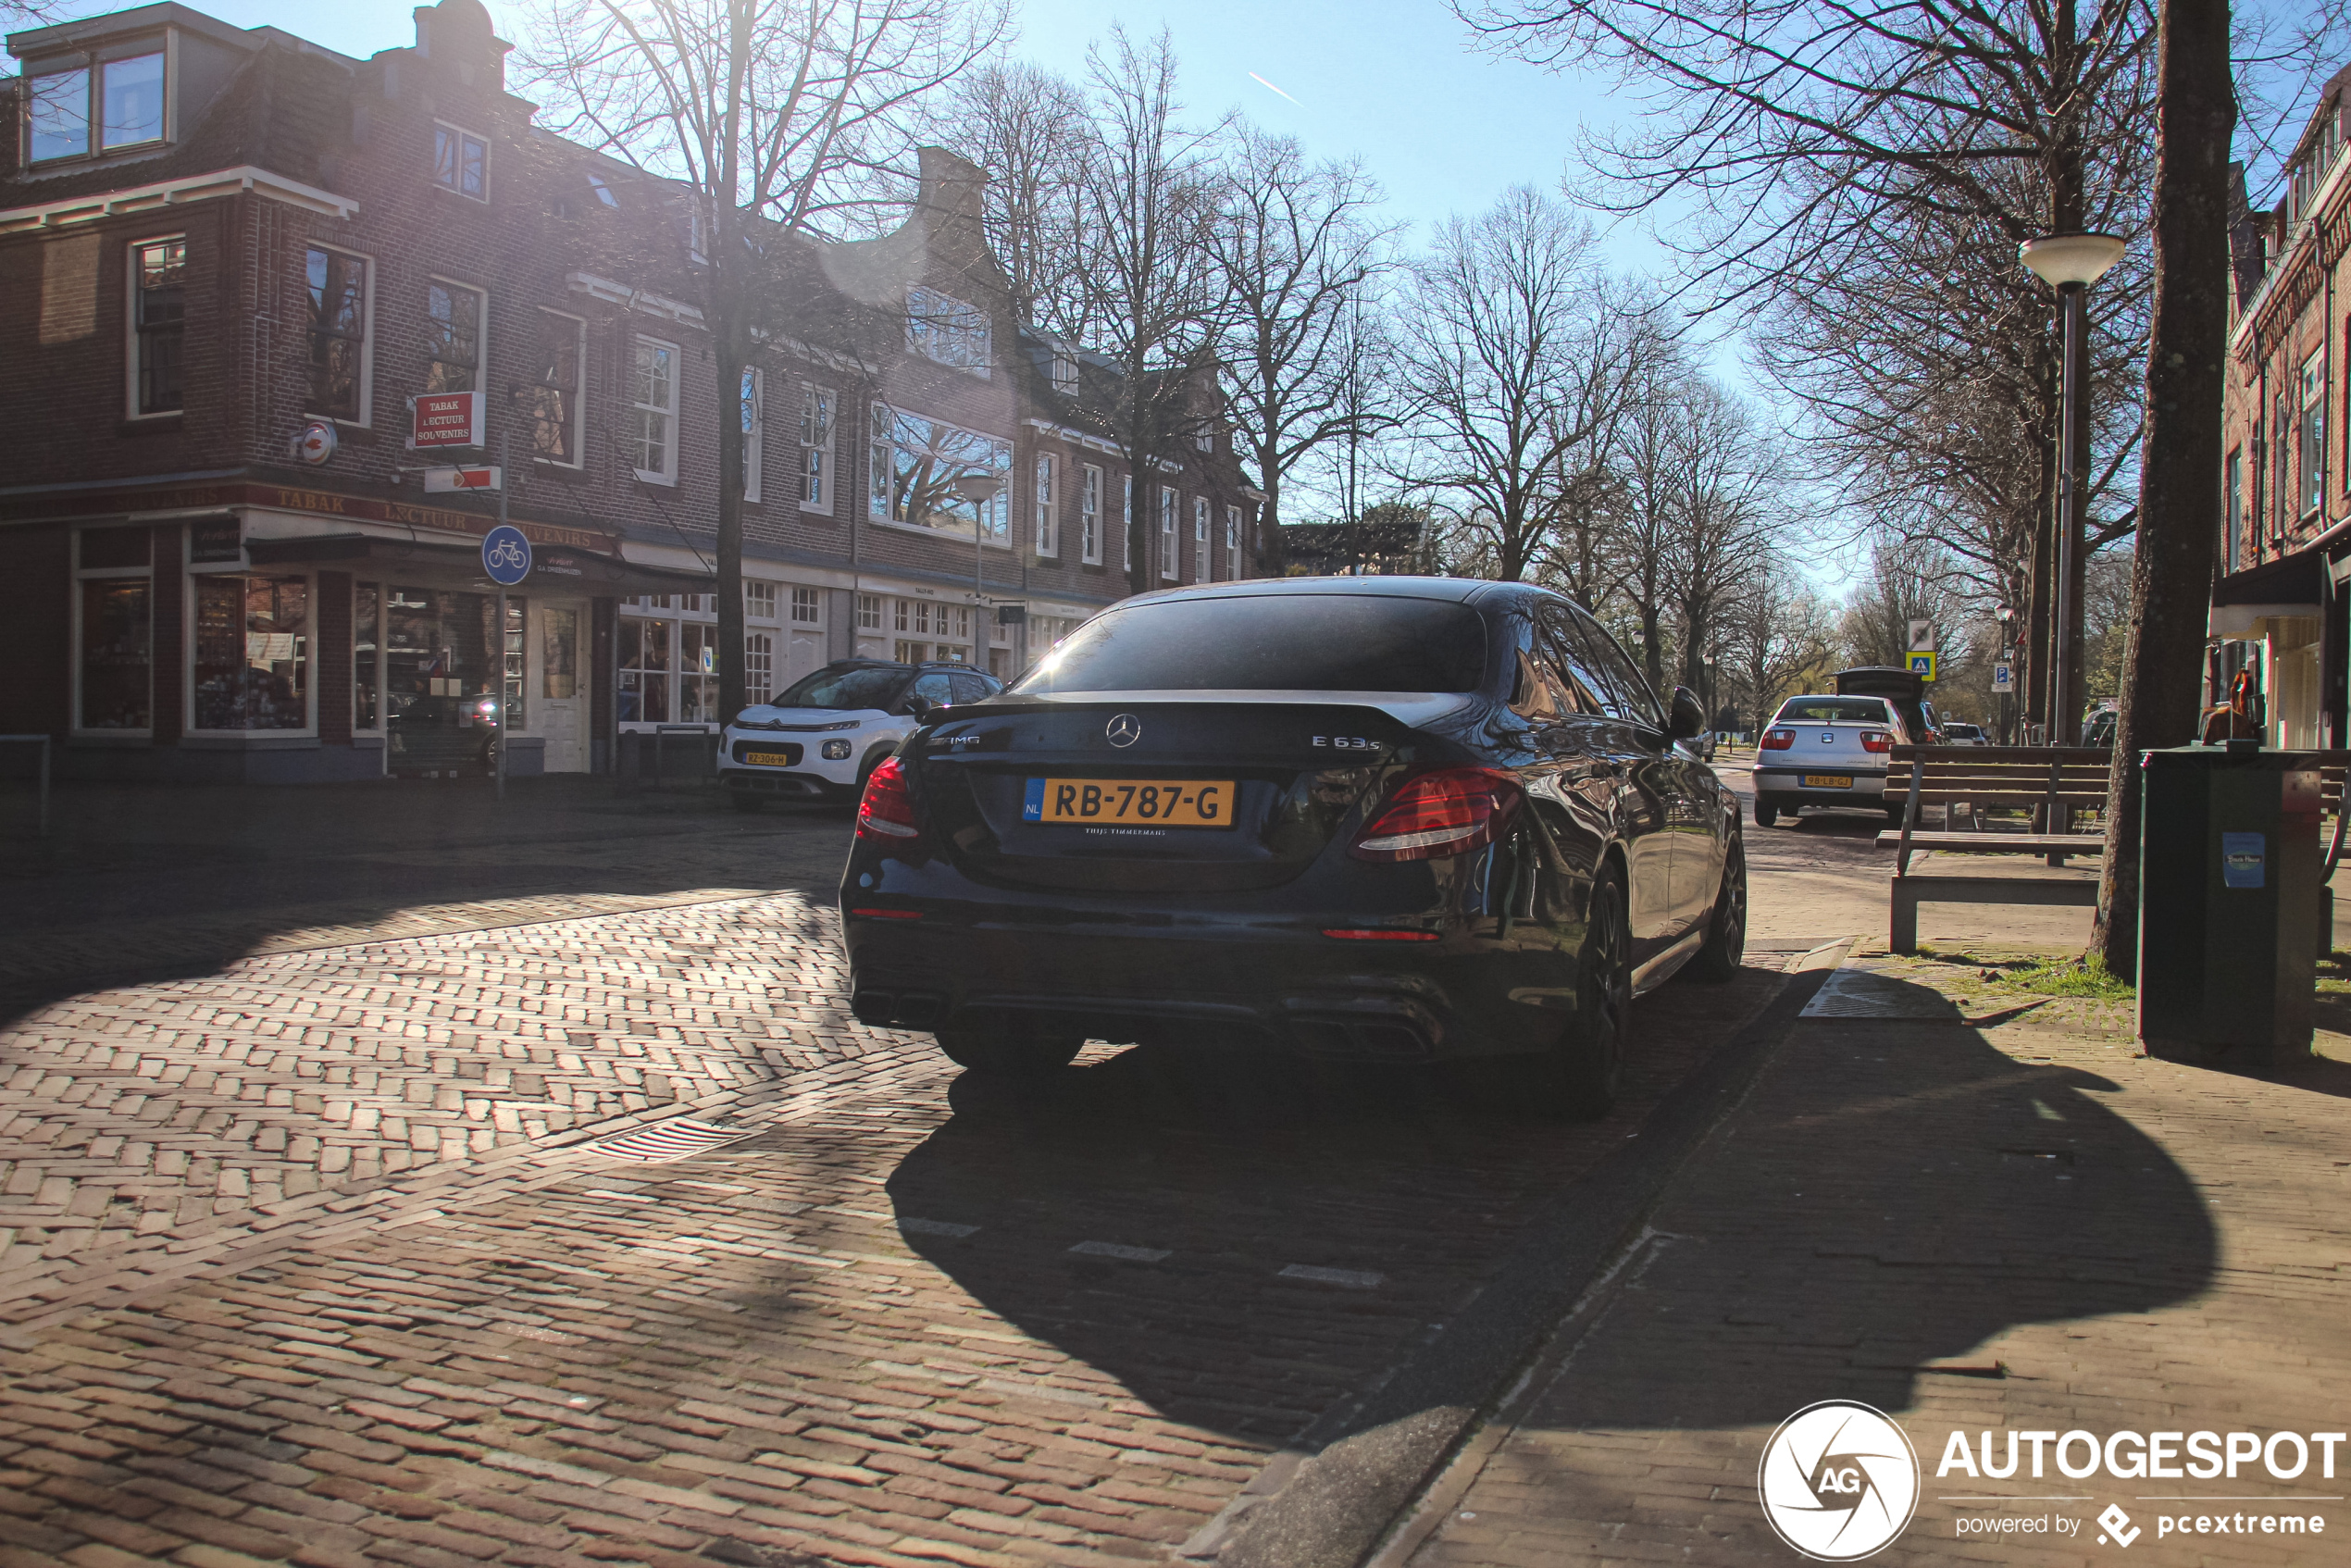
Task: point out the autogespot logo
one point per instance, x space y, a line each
1838 1480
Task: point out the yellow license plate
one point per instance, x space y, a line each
1158 803
1828 781
768 759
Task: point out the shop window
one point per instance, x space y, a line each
559 654
338 327
1089 517
653 410
557 389
461 162
759 667
697 673
367 656
515 708
869 612
158 278
815 449
252 666
759 601
115 671
438 669
643 661
807 609
452 338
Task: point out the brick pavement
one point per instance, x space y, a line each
313 1258
2011 1223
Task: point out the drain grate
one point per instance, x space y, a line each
670 1140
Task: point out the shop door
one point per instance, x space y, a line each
561 693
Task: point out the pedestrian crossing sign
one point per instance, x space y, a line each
1923 664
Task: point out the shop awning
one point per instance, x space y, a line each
552 568
2294 586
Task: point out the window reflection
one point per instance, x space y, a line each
253 652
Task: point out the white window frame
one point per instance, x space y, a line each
809 599
1048 535
819 443
1233 543
759 667
1171 552
754 417
667 473
869 612
992 521
1126 525
1090 516
82 574
1204 559
927 312
463 136
759 599
131 332
366 335
481 325
2310 444
578 393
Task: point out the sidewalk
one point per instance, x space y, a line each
1992 1214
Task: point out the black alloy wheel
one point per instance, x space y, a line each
1008 1052
1586 1069
1725 947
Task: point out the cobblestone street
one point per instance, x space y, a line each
317 1255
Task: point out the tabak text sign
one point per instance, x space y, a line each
445 419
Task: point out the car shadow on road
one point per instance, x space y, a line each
1907 1193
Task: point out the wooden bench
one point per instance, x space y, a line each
2060 786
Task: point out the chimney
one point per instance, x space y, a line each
458 36
951 182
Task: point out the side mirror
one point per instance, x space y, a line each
919 708
1687 719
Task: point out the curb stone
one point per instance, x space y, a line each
1330 1499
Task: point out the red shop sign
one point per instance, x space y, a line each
445 419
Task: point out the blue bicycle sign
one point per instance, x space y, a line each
506 555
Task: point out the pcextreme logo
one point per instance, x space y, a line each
1838 1480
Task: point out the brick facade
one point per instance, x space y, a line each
284 154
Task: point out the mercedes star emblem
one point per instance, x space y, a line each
1124 730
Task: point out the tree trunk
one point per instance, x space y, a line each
2180 471
731 693
1143 546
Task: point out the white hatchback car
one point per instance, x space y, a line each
819 740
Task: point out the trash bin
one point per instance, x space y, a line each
2229 891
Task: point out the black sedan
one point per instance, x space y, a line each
1398 818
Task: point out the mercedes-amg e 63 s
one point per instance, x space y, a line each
1392 818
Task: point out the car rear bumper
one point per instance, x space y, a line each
1230 983
1785 787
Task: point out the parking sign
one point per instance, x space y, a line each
2003 677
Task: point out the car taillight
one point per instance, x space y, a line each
1779 739
888 811
1445 812
1876 741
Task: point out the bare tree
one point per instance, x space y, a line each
1156 300
1779 638
1728 513
1519 353
1298 249
772 117
1030 129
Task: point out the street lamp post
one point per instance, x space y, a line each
2070 263
979 490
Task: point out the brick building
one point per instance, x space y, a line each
229 261
2278 604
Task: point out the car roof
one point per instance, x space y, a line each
1460 589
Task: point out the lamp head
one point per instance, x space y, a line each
2060 259
978 488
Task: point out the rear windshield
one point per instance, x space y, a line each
845 689
1832 710
1271 642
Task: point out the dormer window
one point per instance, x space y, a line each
461 162
1065 374
945 329
604 191
85 108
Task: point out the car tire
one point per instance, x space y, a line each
1766 813
1585 1071
1008 1052
743 800
1725 947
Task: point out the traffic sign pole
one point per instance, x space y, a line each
506 731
